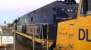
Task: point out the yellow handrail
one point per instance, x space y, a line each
35 39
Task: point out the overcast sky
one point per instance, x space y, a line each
12 9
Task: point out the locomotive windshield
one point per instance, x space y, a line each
67 11
86 7
70 1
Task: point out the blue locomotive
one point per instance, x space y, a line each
42 23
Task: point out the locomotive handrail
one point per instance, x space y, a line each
35 39
36 23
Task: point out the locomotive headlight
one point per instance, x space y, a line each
69 10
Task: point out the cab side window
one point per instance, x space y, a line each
86 7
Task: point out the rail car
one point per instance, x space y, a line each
41 25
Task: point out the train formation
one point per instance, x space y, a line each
42 23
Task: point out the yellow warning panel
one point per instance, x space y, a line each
74 34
